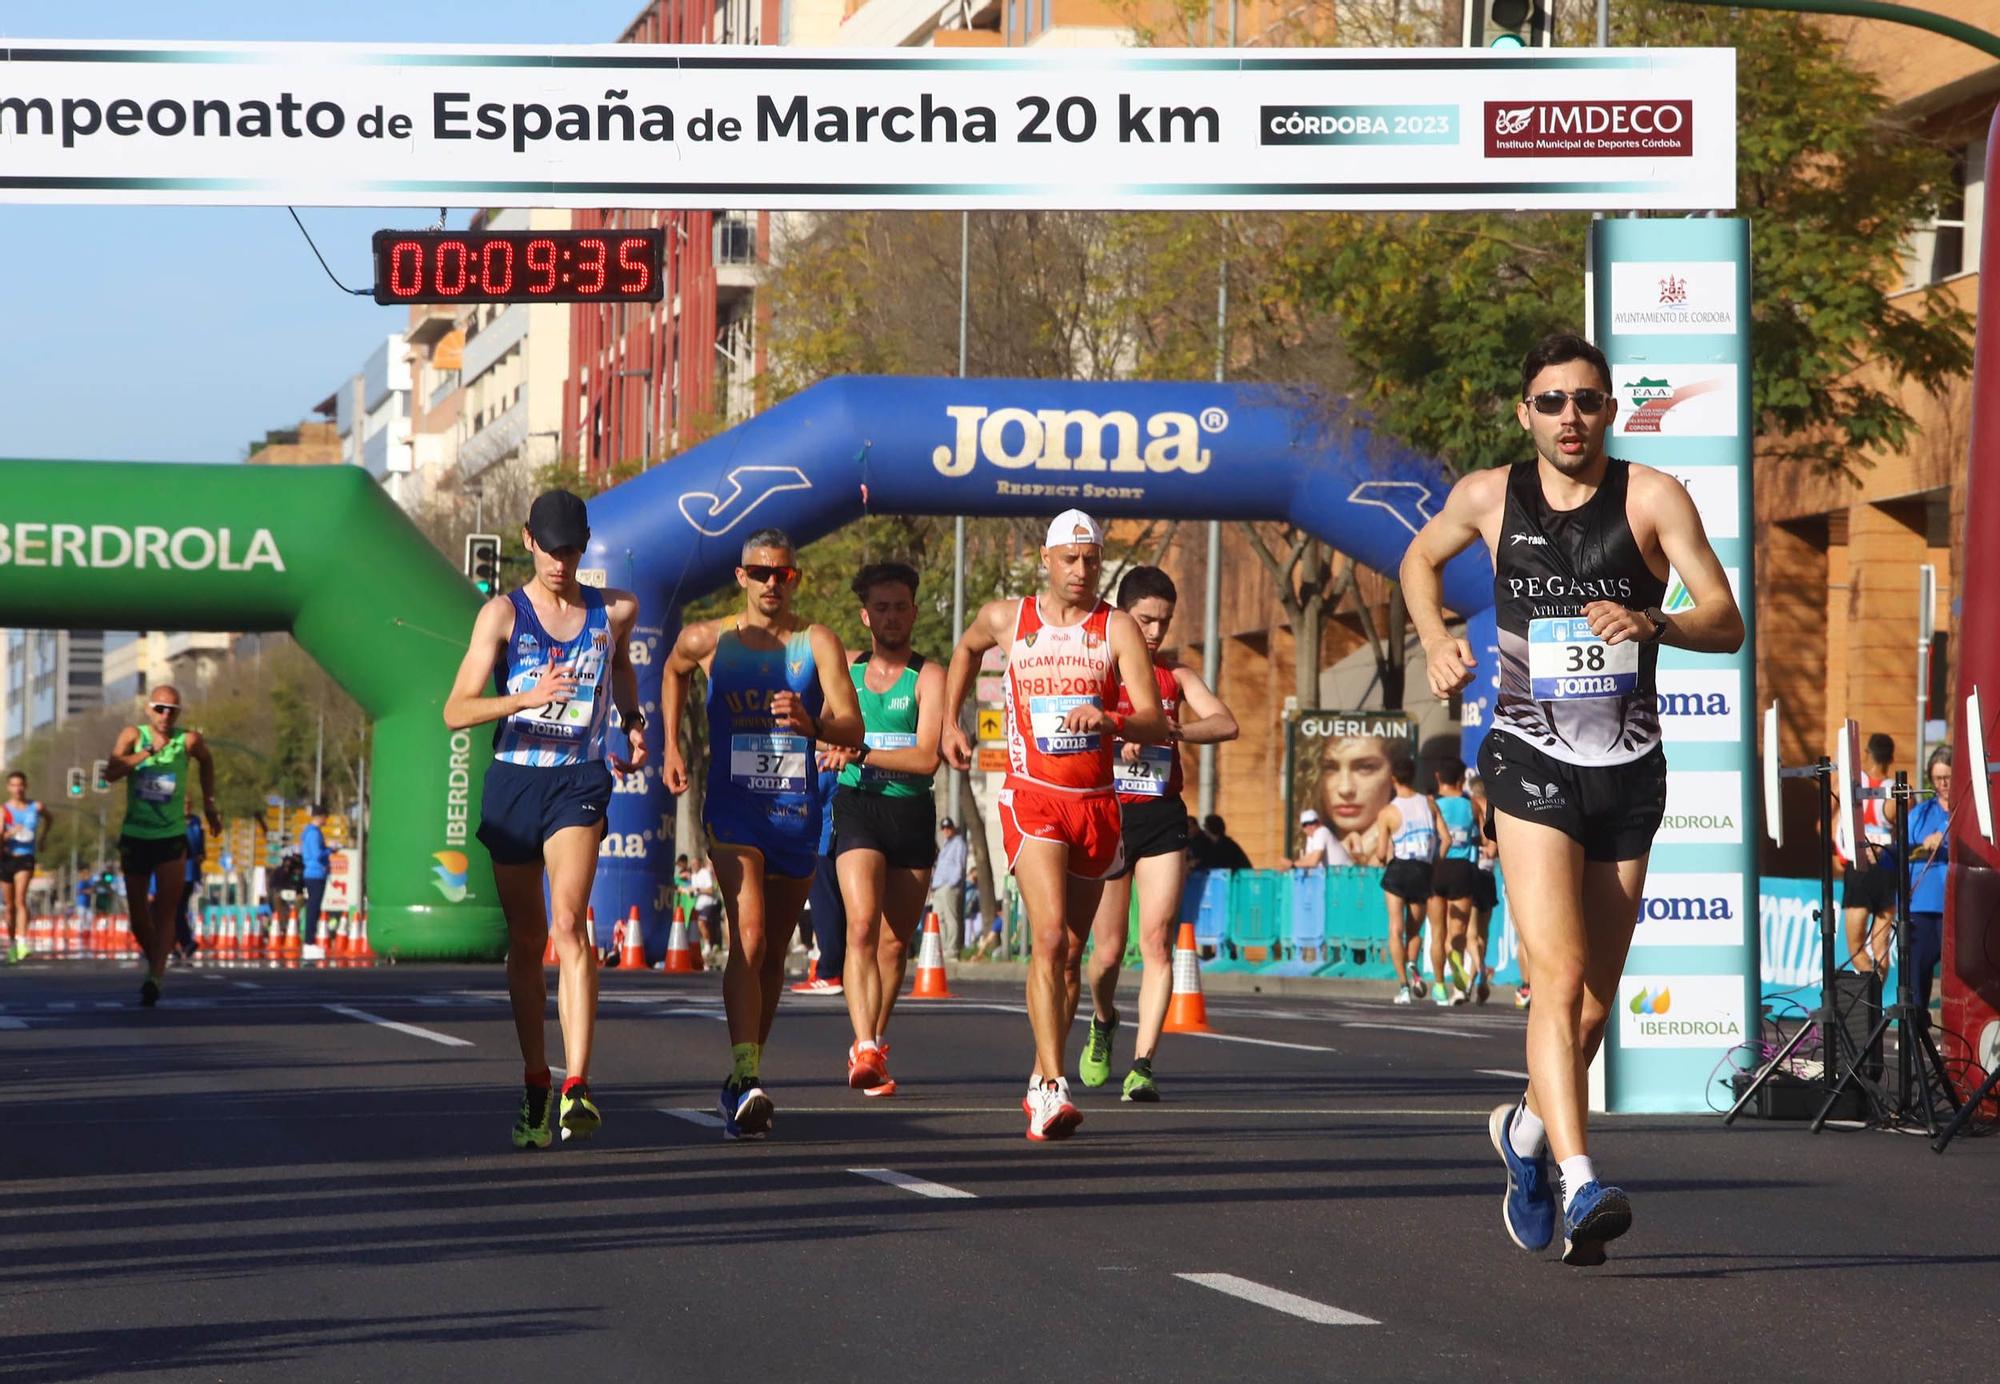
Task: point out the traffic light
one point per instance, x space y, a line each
98 783
482 561
1510 23
76 783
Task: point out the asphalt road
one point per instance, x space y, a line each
262 1180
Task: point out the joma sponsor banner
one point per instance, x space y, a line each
1691 910
662 126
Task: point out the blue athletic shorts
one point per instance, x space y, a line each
785 836
523 806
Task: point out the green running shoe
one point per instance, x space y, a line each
1140 1086
1455 967
21 951
149 992
531 1129
580 1117
1094 1066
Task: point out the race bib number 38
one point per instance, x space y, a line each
770 763
1045 723
1567 663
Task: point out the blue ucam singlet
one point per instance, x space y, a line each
1462 824
22 822
762 781
560 733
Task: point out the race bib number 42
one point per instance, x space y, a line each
1045 723
769 763
1566 662
1149 777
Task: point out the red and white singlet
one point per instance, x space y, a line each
1157 775
1050 670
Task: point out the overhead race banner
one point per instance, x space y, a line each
632 125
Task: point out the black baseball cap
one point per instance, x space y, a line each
559 520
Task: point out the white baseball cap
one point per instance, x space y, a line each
1308 817
1073 526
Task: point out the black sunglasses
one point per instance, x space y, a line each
763 574
1550 402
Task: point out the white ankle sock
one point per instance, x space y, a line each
866 1045
1577 1172
1529 1135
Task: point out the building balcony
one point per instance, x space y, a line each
501 335
495 442
901 23
736 269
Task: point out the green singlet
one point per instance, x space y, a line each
156 791
889 720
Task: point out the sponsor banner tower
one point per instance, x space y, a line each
1672 315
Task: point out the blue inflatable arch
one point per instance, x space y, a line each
861 445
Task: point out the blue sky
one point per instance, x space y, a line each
141 351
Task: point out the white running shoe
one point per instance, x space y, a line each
1458 996
1402 996
1050 1114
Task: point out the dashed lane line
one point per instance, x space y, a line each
415 1032
920 1186
1277 1299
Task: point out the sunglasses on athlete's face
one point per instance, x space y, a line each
762 574
1551 402
165 708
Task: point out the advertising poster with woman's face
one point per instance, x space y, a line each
1340 766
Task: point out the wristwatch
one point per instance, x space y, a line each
635 721
1659 619
861 753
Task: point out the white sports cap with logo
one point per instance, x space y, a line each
1073 528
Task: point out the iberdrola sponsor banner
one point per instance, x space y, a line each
1672 316
642 125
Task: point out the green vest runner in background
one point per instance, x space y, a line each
890 720
156 791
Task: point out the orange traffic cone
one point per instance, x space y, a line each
294 947
364 955
931 982
632 955
680 956
1187 1012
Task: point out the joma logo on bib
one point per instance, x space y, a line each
1076 440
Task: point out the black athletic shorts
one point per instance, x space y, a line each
903 829
1485 892
1409 880
1872 887
1454 879
141 855
523 805
1612 810
11 865
1151 828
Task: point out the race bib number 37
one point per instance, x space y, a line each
1567 663
771 763
1045 723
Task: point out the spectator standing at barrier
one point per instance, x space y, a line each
777 688
185 944
825 913
314 859
948 882
1868 876
1581 547
556 656
1219 850
886 840
1929 835
1318 850
1067 652
1453 883
1153 818
24 830
1405 837
152 843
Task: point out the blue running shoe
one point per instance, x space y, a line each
1596 1216
746 1111
1528 1210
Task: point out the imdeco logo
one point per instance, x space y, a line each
1590 129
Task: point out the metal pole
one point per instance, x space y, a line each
953 787
319 758
1603 23
1211 603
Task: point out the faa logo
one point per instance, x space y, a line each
1647 1003
450 870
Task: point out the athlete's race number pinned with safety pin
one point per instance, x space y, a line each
1045 723
1566 662
1149 777
769 763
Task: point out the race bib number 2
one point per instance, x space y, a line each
1045 723
770 763
1566 662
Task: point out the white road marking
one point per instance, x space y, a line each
61 1006
1423 1029
1277 1300
1502 1071
246 985
432 1034
708 1119
1263 1042
7 1021
911 1184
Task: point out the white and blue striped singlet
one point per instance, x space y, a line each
1416 834
561 733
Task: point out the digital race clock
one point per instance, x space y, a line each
518 266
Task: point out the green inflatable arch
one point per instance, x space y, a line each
322 552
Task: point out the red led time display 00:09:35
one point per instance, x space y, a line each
517 266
